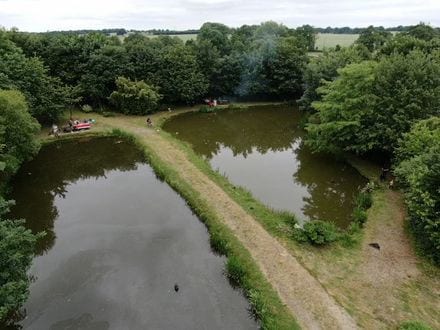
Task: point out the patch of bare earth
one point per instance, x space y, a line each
308 301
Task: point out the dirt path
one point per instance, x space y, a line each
395 262
385 274
381 288
309 302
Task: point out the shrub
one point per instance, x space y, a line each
299 235
320 232
135 97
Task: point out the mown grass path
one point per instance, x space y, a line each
305 297
380 289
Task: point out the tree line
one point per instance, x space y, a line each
380 98
43 74
264 61
359 30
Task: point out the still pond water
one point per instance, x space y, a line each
262 150
118 239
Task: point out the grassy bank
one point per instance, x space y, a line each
348 268
241 268
279 223
356 277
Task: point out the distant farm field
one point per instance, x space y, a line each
184 37
329 40
323 40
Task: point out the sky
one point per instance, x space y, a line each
47 15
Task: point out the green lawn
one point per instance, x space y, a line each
328 40
323 40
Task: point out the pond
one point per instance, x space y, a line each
262 149
118 240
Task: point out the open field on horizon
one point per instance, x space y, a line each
323 40
329 40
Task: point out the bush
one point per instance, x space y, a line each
235 270
299 235
318 232
86 108
135 97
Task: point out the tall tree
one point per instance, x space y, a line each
135 97
218 35
324 68
284 70
46 95
373 38
18 129
102 68
370 105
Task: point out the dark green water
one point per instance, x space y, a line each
262 150
118 240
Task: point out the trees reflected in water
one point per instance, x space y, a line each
265 131
48 175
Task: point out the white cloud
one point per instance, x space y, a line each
43 15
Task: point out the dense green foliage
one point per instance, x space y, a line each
45 94
373 39
264 61
16 253
372 103
17 144
419 171
324 68
316 232
368 103
17 130
135 97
